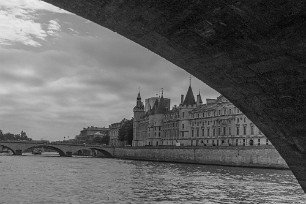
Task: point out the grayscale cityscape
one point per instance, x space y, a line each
152 101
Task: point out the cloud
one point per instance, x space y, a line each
19 22
63 82
53 27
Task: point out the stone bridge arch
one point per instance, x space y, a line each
57 149
10 148
252 52
63 149
105 152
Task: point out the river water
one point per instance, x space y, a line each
42 179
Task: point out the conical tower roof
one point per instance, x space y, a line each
155 106
189 99
200 98
138 96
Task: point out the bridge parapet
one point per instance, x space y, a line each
63 149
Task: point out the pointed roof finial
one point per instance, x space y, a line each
190 80
162 92
138 96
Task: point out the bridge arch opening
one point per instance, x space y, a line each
101 151
60 151
260 69
13 151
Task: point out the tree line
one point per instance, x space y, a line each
125 133
14 137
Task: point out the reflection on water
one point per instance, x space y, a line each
40 179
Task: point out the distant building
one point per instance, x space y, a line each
149 103
114 133
88 134
192 123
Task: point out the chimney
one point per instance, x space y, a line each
182 99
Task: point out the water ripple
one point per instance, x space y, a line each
36 179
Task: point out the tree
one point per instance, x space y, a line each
126 132
101 140
105 139
1 135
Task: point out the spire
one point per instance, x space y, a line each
190 80
199 98
138 96
162 93
189 99
139 104
155 106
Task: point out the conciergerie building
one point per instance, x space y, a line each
216 123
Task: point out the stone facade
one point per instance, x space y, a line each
248 156
88 134
114 133
216 123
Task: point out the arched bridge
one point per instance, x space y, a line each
63 149
253 52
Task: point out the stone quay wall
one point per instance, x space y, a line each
263 156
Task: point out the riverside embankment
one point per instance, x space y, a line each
247 156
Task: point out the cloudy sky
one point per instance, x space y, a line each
60 73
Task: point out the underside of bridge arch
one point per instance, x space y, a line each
13 151
102 151
61 152
253 52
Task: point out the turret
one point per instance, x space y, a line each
189 99
161 109
138 114
139 108
199 99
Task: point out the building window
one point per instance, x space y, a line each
237 130
244 130
208 133
236 142
183 114
183 126
219 112
244 119
251 142
192 132
224 131
198 132
203 132
267 142
229 131
258 142
243 142
214 132
219 131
